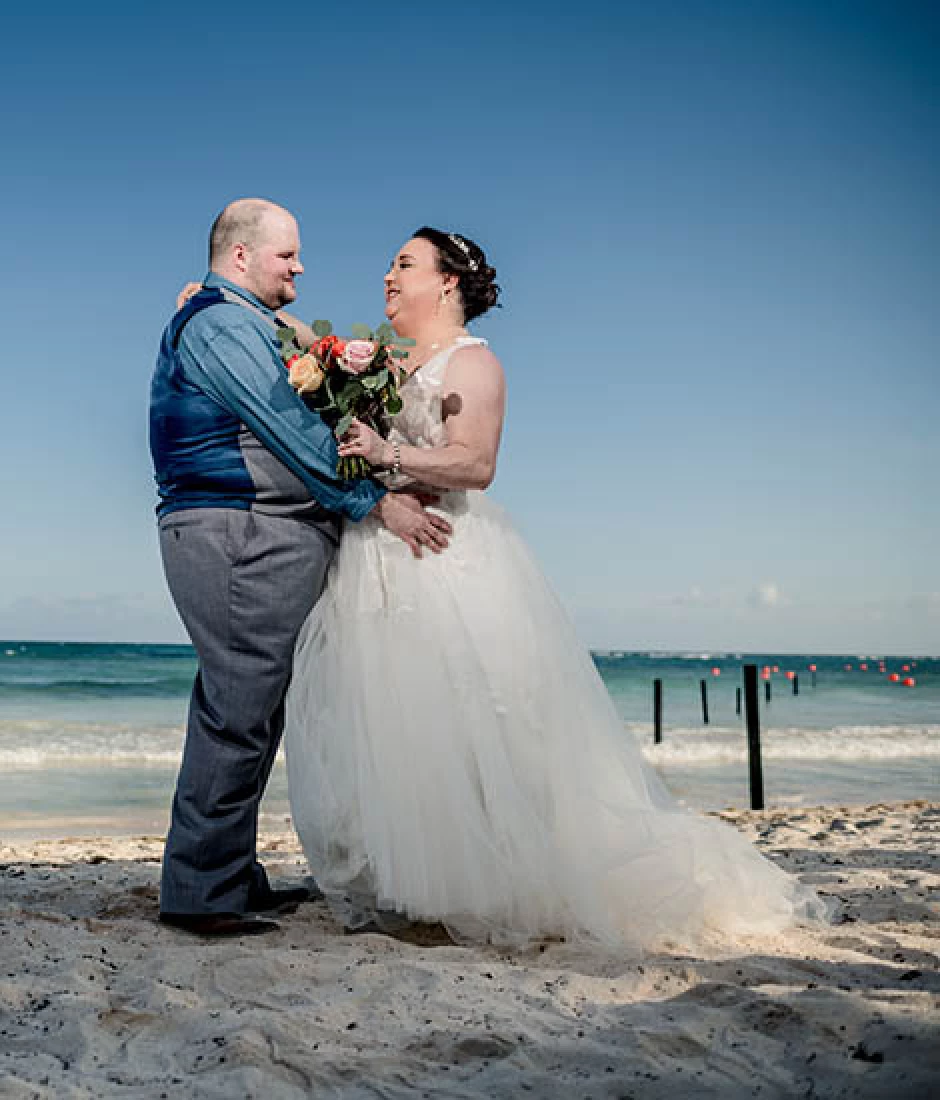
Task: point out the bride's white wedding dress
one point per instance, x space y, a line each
453 754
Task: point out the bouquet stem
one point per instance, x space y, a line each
351 467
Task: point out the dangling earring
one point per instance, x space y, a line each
442 301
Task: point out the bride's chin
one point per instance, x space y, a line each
400 326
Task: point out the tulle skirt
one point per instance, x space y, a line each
454 756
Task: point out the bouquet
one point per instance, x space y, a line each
343 379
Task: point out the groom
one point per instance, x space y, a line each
249 520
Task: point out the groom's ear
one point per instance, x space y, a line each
239 256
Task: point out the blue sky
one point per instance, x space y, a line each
715 225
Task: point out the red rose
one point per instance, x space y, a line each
329 347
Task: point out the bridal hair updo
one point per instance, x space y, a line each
458 255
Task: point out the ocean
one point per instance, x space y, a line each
90 735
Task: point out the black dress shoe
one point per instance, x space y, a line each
281 901
220 924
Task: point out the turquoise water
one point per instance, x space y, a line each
90 735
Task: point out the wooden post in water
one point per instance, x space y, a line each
766 691
657 711
752 717
737 702
813 677
796 685
704 688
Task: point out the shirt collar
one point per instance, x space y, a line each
214 280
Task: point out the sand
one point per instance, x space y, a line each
99 1000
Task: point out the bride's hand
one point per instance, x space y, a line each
186 293
404 516
362 440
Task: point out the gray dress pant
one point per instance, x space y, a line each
243 583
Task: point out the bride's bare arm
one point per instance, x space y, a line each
474 402
305 333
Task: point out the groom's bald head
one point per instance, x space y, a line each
241 222
256 244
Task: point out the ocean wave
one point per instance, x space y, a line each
847 744
97 687
38 759
33 744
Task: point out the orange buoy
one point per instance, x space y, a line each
812 668
776 668
905 668
864 668
894 677
790 675
848 668
716 672
908 681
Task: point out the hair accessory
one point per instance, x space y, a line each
464 248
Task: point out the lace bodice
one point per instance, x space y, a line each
420 422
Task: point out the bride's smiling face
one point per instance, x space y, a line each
413 286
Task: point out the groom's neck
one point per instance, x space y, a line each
233 275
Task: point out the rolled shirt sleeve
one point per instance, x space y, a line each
225 352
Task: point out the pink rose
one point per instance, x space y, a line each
357 356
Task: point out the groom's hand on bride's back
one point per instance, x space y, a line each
404 515
186 293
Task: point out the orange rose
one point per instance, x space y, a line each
306 374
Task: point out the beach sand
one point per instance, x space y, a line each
99 1000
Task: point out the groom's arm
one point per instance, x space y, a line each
230 358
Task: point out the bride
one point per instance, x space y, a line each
452 753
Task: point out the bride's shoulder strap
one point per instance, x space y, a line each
464 342
436 369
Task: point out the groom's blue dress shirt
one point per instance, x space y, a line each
227 430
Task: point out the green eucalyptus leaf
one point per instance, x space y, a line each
360 332
404 342
393 405
342 425
322 328
385 334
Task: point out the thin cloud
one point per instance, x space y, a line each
767 594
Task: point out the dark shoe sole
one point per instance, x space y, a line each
226 924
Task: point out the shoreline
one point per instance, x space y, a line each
99 999
275 822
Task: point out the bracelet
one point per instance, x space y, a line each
396 459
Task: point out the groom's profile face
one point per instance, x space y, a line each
273 262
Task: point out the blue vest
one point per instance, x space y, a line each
203 455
